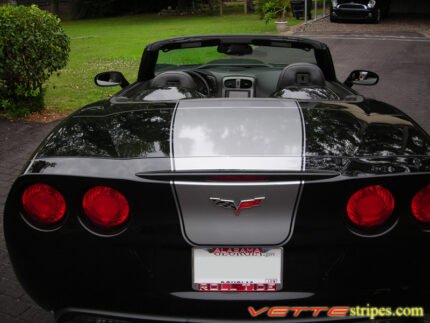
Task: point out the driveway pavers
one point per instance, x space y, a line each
18 139
402 62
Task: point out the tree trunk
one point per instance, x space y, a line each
250 5
55 4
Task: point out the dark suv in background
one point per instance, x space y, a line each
364 10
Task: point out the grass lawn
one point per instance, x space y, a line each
117 44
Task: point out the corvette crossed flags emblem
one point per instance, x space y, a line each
243 204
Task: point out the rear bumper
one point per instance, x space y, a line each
156 282
353 14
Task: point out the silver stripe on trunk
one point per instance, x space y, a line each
252 134
244 134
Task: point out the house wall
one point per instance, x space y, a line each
65 6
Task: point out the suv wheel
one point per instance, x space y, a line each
377 18
332 18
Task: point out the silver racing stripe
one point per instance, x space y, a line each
206 224
238 163
302 119
248 134
172 160
237 135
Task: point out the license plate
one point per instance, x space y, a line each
237 269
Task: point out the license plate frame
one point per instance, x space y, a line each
216 269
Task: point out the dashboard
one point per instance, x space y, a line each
238 87
241 82
249 81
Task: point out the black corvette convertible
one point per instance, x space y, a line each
237 174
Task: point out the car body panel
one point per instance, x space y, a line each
207 224
350 130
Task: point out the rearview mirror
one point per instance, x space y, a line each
362 77
111 78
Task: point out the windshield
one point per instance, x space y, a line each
237 55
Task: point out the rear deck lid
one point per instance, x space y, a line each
237 135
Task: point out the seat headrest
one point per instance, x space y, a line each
301 74
174 78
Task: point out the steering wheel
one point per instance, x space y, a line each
207 90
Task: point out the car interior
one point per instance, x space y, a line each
302 81
235 71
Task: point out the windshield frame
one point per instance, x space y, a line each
207 57
150 55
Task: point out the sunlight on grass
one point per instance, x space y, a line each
117 44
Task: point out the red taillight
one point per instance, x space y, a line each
105 207
370 206
421 205
43 204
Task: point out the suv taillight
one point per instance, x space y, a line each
421 205
43 204
105 207
371 206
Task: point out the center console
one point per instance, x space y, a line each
238 87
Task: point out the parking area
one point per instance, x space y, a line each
396 23
400 58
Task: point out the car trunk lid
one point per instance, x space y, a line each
237 136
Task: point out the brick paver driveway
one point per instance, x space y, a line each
17 141
402 61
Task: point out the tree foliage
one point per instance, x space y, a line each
33 46
273 9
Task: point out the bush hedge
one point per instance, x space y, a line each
33 46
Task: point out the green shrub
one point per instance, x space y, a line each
33 45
